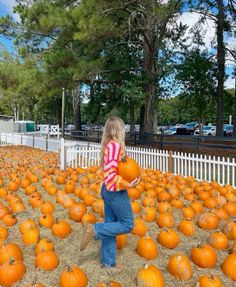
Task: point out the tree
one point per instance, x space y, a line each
197 74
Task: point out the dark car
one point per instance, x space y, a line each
187 129
228 130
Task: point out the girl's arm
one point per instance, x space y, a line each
113 181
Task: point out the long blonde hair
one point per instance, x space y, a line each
114 129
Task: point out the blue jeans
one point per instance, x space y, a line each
118 219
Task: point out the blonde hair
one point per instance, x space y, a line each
114 129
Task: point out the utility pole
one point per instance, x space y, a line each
62 112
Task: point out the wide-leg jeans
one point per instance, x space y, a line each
118 219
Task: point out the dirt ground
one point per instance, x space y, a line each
68 251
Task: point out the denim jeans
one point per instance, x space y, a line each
118 219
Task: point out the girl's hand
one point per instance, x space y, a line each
134 182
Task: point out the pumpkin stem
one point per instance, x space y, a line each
57 220
68 268
11 260
123 159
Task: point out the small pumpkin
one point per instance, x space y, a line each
73 277
229 266
44 245
61 228
168 238
147 248
121 241
31 236
219 240
11 250
150 276
47 260
209 281
179 266
11 272
204 256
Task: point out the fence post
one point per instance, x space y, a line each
170 162
21 141
33 140
47 142
63 155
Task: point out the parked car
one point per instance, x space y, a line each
170 131
187 129
228 130
207 131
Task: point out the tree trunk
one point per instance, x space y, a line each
234 116
76 106
132 119
221 68
149 68
141 121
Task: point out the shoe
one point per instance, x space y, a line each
113 269
87 236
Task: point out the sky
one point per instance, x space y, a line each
6 7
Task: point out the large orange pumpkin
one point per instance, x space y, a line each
128 169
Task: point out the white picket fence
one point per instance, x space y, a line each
84 154
202 167
33 140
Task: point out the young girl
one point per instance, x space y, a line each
118 215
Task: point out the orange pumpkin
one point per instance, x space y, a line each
128 169
179 266
147 248
150 276
73 277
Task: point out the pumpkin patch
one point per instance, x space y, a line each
184 230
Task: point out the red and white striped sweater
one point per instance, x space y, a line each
113 181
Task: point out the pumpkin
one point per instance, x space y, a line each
229 266
3 232
136 208
204 256
73 277
77 211
26 224
208 220
230 230
218 240
140 227
11 272
46 220
134 193
179 266
168 238
188 212
11 250
47 207
187 227
128 169
230 208
149 214
89 218
44 245
47 260
30 236
109 283
121 241
209 281
147 248
61 228
150 276
165 220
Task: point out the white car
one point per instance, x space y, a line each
207 131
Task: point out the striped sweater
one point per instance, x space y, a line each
113 181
